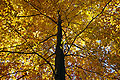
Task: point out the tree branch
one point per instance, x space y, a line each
32 49
22 76
50 55
77 46
75 55
17 32
33 53
14 73
11 46
40 12
47 38
68 75
29 15
87 25
95 72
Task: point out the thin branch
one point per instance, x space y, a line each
33 53
29 15
50 55
12 46
47 38
22 76
75 55
92 71
100 60
77 46
95 72
17 32
89 70
72 10
25 38
42 64
68 75
67 10
69 6
33 49
74 16
87 26
14 73
75 23
40 12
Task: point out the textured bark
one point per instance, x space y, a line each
59 60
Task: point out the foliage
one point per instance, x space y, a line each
91 38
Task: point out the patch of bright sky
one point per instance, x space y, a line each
98 41
69 63
51 50
112 70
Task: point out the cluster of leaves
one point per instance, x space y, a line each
91 38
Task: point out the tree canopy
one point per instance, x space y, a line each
90 39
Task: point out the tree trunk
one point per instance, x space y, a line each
59 59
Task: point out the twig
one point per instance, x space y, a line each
22 76
28 15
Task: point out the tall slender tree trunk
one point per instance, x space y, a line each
59 59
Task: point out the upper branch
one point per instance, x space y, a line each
40 12
88 25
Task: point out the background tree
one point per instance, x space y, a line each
57 39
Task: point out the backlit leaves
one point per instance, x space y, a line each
91 38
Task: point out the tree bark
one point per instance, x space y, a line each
59 59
